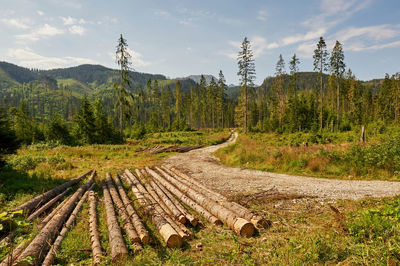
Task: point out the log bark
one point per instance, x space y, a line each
135 219
47 206
192 219
198 208
177 214
241 211
34 203
126 222
53 212
117 245
41 243
11 258
170 236
94 228
236 223
152 196
48 260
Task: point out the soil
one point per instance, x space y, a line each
232 181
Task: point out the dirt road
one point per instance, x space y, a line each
206 168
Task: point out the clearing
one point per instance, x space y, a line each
205 167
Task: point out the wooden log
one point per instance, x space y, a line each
34 203
41 243
152 196
236 223
192 219
117 245
177 214
46 206
362 136
126 222
243 212
198 208
135 219
13 257
167 232
48 260
94 228
53 212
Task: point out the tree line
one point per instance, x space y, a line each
334 104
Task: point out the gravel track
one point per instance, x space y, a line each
207 169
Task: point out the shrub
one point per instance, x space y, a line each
25 162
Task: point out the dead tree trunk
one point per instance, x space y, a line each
192 219
140 229
57 243
362 136
117 245
243 212
198 208
236 223
170 236
41 243
126 222
152 196
177 214
34 203
94 229
53 212
46 206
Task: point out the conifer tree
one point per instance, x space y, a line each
321 64
337 67
246 75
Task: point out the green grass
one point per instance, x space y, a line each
304 231
330 155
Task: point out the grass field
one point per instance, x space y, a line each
331 155
304 230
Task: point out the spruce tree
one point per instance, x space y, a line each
294 69
247 75
337 67
321 65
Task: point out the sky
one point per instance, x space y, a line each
178 38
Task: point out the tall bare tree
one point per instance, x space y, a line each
337 67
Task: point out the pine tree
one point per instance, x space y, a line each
337 67
247 74
294 69
320 64
123 59
280 89
221 97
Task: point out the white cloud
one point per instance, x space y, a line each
18 23
69 20
305 50
377 33
75 29
44 31
162 13
27 58
40 13
303 37
262 15
137 58
258 45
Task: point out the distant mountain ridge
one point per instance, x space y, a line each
196 78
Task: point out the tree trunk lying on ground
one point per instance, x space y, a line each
126 222
53 212
137 223
192 219
41 243
170 236
241 211
94 229
47 206
117 245
236 223
152 196
34 203
177 214
11 258
198 208
57 243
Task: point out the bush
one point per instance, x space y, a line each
25 162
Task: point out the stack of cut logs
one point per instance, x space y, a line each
161 194
159 149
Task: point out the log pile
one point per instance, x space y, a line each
166 196
159 149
